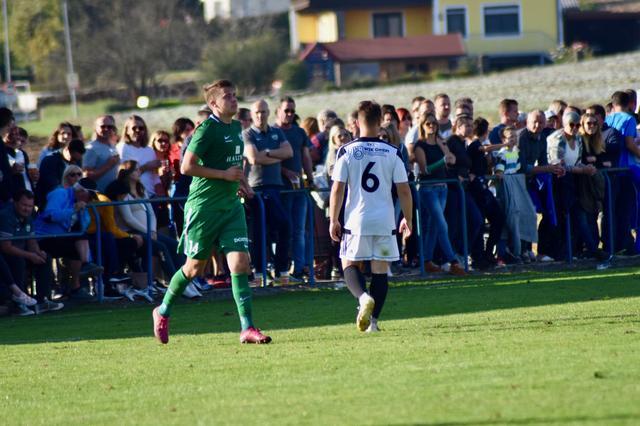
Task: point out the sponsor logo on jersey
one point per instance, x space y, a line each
227 139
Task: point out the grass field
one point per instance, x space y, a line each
523 349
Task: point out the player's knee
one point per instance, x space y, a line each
192 270
238 263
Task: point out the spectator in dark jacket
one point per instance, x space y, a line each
7 126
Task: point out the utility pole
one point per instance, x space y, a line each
7 58
72 77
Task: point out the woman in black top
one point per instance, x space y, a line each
479 189
431 155
457 143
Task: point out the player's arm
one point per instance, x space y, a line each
190 167
335 205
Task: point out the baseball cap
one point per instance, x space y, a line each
550 114
86 184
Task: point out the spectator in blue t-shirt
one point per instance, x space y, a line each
508 111
293 170
265 148
621 120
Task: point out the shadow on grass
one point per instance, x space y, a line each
303 309
539 420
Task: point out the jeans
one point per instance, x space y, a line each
475 223
584 229
166 249
433 200
295 204
277 221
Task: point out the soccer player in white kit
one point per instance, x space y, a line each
367 167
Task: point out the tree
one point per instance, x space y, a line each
294 75
36 39
132 42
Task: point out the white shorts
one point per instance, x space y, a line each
369 247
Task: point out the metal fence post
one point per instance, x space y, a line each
465 240
609 211
99 281
263 237
309 246
418 206
147 210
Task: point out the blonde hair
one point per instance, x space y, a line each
71 168
593 144
392 133
213 90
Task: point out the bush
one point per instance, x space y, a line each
293 74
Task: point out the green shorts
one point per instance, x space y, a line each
204 230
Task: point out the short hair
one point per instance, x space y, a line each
76 145
506 129
6 117
335 122
370 112
598 110
325 115
621 99
213 90
440 96
287 99
573 108
243 114
633 95
71 168
507 103
418 99
353 115
480 126
23 193
608 107
557 105
460 118
463 102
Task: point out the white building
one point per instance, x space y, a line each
242 8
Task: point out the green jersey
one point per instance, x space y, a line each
218 146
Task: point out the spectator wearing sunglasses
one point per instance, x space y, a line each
53 166
134 145
101 160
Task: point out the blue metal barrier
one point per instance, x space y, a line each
310 226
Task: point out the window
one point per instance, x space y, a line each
387 25
501 20
457 21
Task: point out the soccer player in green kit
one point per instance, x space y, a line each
213 214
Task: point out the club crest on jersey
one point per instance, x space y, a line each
358 153
274 137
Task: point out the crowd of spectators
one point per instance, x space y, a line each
521 182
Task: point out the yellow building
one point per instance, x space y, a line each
499 32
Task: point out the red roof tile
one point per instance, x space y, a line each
390 48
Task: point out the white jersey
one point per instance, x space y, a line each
369 167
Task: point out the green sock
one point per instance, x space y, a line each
178 283
242 296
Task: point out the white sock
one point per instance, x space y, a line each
363 298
